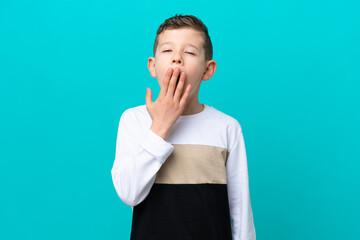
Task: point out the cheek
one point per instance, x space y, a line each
194 71
160 74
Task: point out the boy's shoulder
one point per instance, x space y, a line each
210 115
229 124
136 113
224 118
135 117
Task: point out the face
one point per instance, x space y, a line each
182 48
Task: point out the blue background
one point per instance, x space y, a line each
288 71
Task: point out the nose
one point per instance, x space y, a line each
177 59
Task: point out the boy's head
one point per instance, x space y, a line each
187 21
183 41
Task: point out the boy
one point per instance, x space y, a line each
179 164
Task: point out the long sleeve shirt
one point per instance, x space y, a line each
193 185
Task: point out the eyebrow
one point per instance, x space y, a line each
187 44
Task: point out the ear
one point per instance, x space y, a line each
151 66
210 70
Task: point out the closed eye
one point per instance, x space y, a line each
186 52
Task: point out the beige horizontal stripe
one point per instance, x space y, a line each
189 163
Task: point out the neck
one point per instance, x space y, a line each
192 107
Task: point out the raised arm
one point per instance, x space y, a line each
138 158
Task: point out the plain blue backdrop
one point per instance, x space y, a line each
288 71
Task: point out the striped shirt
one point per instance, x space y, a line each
193 185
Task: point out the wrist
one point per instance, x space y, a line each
159 131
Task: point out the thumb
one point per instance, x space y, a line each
148 97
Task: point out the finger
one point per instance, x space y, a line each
186 94
166 81
179 87
148 97
171 87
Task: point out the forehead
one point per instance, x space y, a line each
181 36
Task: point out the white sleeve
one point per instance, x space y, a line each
138 158
242 222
